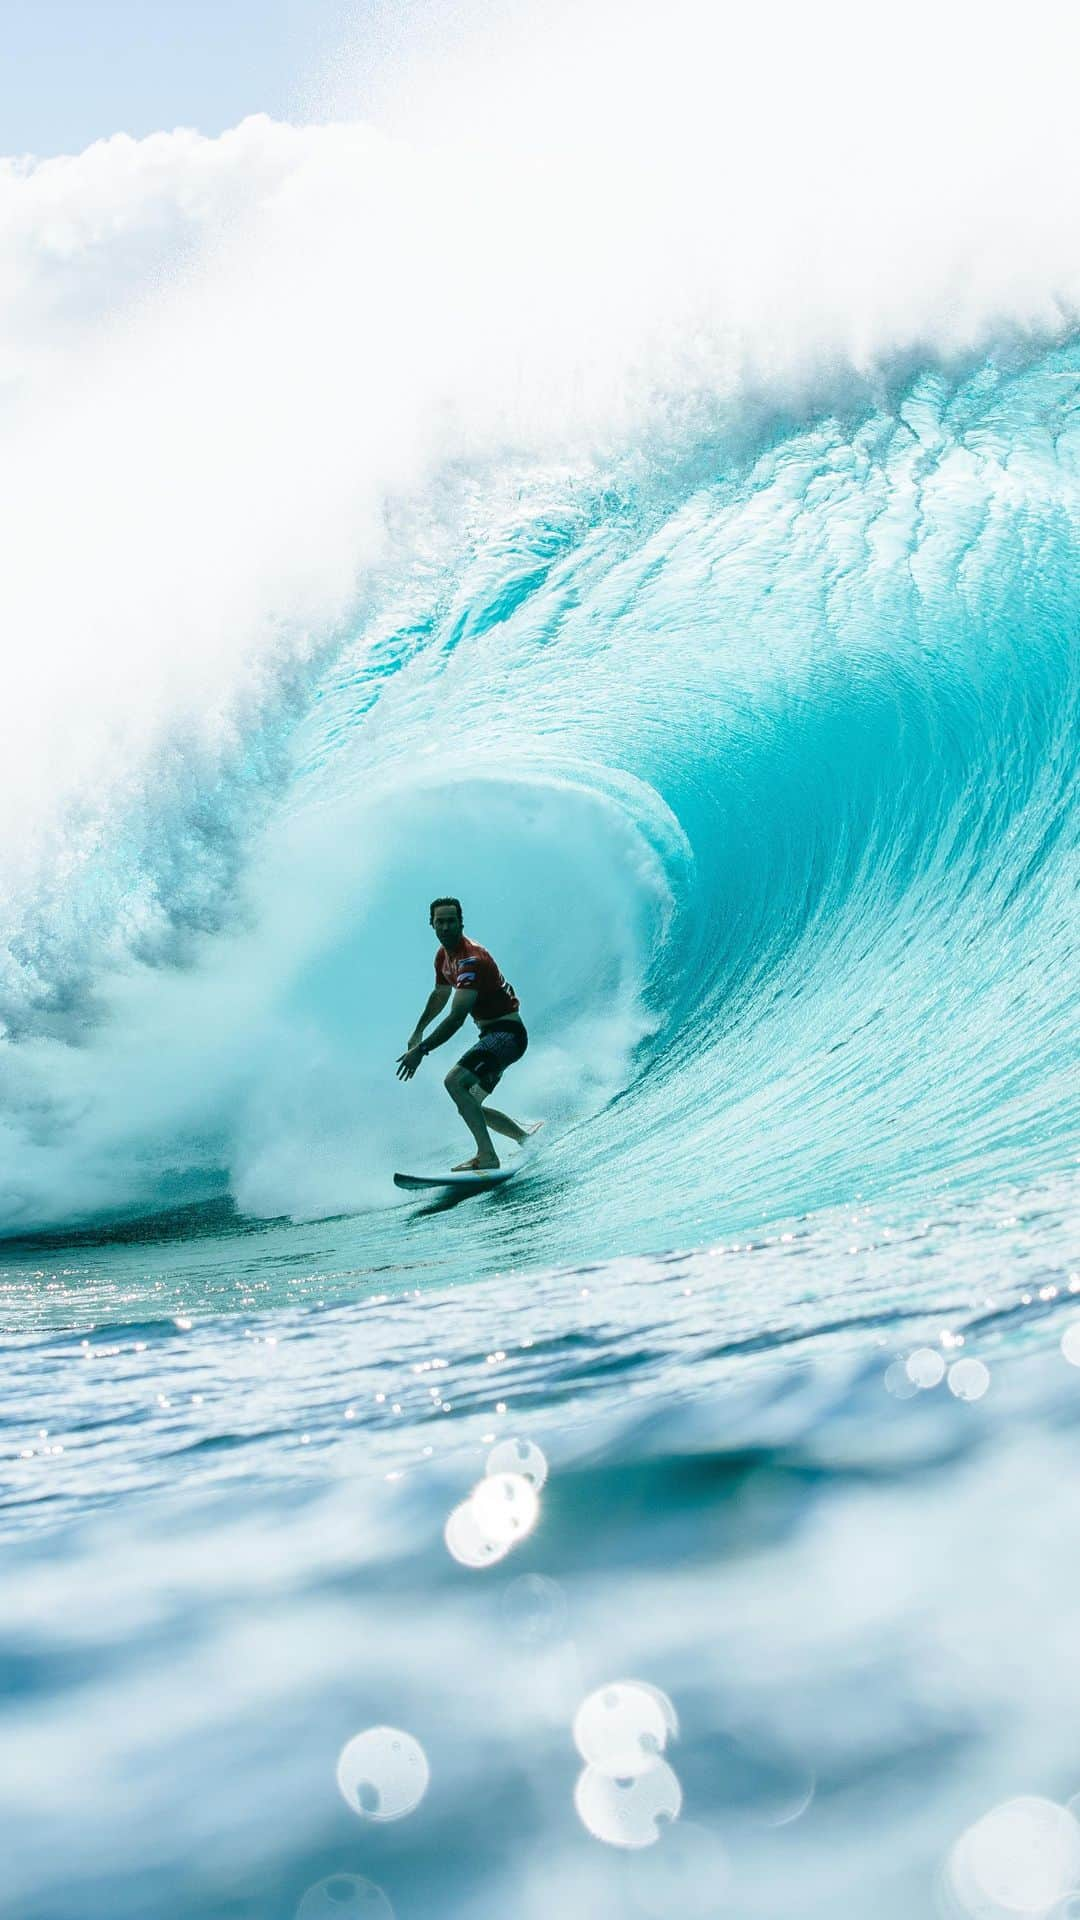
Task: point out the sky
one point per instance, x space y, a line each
75 71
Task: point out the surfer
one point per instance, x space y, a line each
468 972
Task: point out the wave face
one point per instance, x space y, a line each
701 611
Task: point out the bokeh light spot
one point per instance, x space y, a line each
468 1543
519 1456
383 1773
1020 1858
925 1368
534 1609
345 1896
628 1812
505 1507
968 1379
621 1729
898 1382
1070 1343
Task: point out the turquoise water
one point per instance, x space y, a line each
744 721
783 763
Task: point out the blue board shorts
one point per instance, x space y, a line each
496 1049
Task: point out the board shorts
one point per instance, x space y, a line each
496 1049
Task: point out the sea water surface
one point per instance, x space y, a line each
686 577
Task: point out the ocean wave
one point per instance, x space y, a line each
390 525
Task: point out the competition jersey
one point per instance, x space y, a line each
472 966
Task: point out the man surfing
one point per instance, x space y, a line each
467 971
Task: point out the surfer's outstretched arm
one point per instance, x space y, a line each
436 1000
460 1008
463 1002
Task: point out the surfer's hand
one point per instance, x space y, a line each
408 1063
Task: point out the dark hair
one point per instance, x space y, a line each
446 900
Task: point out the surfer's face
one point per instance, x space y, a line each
447 923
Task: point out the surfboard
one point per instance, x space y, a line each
494 1177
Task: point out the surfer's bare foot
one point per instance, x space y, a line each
477 1165
526 1133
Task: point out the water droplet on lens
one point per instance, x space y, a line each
898 1383
534 1609
505 1507
629 1813
925 1368
469 1543
345 1896
1070 1343
621 1729
968 1379
522 1457
383 1773
1021 1858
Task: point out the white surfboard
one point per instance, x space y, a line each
491 1177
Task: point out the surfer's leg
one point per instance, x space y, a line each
502 1123
462 1087
485 1062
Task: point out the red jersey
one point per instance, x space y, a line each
472 966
